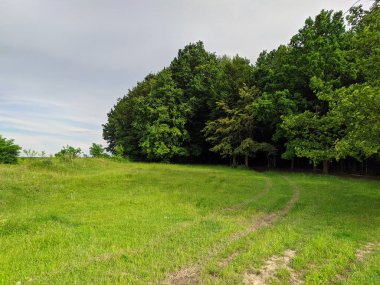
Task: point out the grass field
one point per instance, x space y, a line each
104 222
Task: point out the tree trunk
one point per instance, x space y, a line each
314 167
246 160
325 167
353 167
342 166
292 164
234 160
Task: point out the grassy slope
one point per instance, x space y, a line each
99 221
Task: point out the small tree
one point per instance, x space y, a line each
97 150
119 152
68 153
9 151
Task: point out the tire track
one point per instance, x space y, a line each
185 225
104 257
268 186
190 275
264 191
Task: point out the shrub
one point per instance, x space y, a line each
119 153
97 150
68 153
9 151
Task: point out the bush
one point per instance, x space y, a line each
119 153
68 153
9 151
97 150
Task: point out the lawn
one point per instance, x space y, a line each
99 221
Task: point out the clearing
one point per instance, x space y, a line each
98 221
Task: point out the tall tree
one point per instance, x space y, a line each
194 70
233 134
320 50
357 109
312 136
165 135
125 123
365 42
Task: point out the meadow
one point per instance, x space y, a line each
98 221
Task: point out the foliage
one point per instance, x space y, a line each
308 99
68 153
126 123
165 113
97 150
233 133
357 109
365 41
310 135
119 153
9 151
227 132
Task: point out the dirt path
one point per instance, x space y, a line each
183 226
190 275
363 252
104 257
268 271
361 255
270 268
268 186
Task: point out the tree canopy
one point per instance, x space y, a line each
315 99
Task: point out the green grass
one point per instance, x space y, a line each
103 222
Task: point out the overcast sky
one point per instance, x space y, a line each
64 63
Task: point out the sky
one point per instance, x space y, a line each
64 64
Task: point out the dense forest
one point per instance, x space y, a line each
314 102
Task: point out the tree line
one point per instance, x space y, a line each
315 100
10 151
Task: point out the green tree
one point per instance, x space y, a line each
233 134
365 42
312 136
320 49
165 111
357 109
97 150
126 120
119 153
9 151
194 71
68 153
312 99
